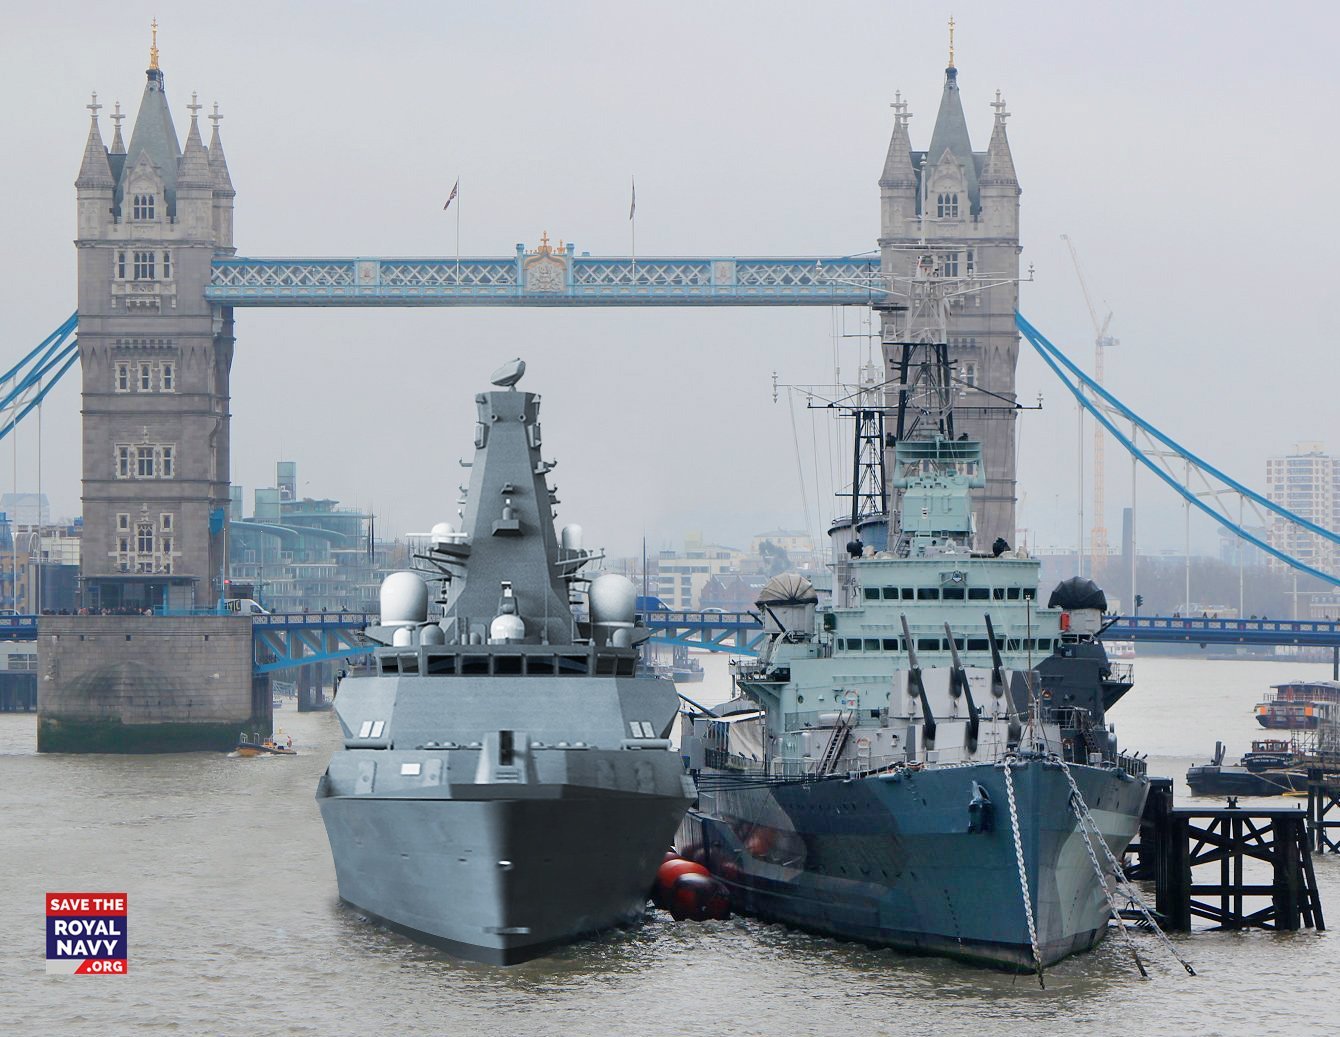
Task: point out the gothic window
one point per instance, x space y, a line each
146 377
946 205
165 462
144 540
167 546
165 521
971 261
143 207
969 369
167 266
144 266
144 462
123 521
123 377
123 462
949 264
166 381
121 266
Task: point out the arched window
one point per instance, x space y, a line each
144 540
940 206
142 207
946 205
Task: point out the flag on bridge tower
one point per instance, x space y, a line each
452 197
632 205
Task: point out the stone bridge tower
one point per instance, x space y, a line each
960 208
156 358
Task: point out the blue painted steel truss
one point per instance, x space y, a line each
739 633
288 640
1199 483
26 384
548 277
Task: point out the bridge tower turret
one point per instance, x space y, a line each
961 208
156 358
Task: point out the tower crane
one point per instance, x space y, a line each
1102 341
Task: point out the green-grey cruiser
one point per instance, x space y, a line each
506 782
922 761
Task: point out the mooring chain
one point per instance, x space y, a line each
1077 810
1119 873
1023 873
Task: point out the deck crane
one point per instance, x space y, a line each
1102 341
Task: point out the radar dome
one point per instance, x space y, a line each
1077 593
432 634
613 600
507 627
571 537
404 599
787 589
441 533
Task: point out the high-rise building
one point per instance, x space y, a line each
1307 482
956 210
155 357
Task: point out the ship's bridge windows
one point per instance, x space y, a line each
507 665
979 593
474 665
1030 593
409 663
540 665
978 644
928 594
441 665
1015 644
953 593
605 665
871 593
1012 593
998 593
841 644
1045 643
572 666
928 644
872 644
890 593
891 644
387 665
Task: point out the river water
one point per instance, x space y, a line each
235 927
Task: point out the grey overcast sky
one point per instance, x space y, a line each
1185 148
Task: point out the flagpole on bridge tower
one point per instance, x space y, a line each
455 191
632 223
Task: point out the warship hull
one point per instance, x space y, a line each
899 860
506 876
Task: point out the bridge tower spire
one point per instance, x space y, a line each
156 358
960 208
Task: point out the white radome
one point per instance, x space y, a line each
404 599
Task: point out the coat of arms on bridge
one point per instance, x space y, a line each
546 268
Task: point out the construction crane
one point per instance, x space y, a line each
1102 341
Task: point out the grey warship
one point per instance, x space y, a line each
506 782
923 760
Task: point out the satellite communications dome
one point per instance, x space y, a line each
404 599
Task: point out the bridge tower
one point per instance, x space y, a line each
961 208
156 358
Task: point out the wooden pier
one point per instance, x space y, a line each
1237 867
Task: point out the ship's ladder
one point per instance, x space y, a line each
837 741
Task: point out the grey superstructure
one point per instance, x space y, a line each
506 782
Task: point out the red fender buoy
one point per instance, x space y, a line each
689 896
669 872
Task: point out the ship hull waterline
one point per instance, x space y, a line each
889 860
504 878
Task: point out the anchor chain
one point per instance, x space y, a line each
1077 810
1086 820
1023 873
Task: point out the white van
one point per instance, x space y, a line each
246 607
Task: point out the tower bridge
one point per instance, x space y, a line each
159 278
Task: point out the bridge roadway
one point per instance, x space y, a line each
282 641
548 276
288 640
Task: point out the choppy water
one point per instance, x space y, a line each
235 927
